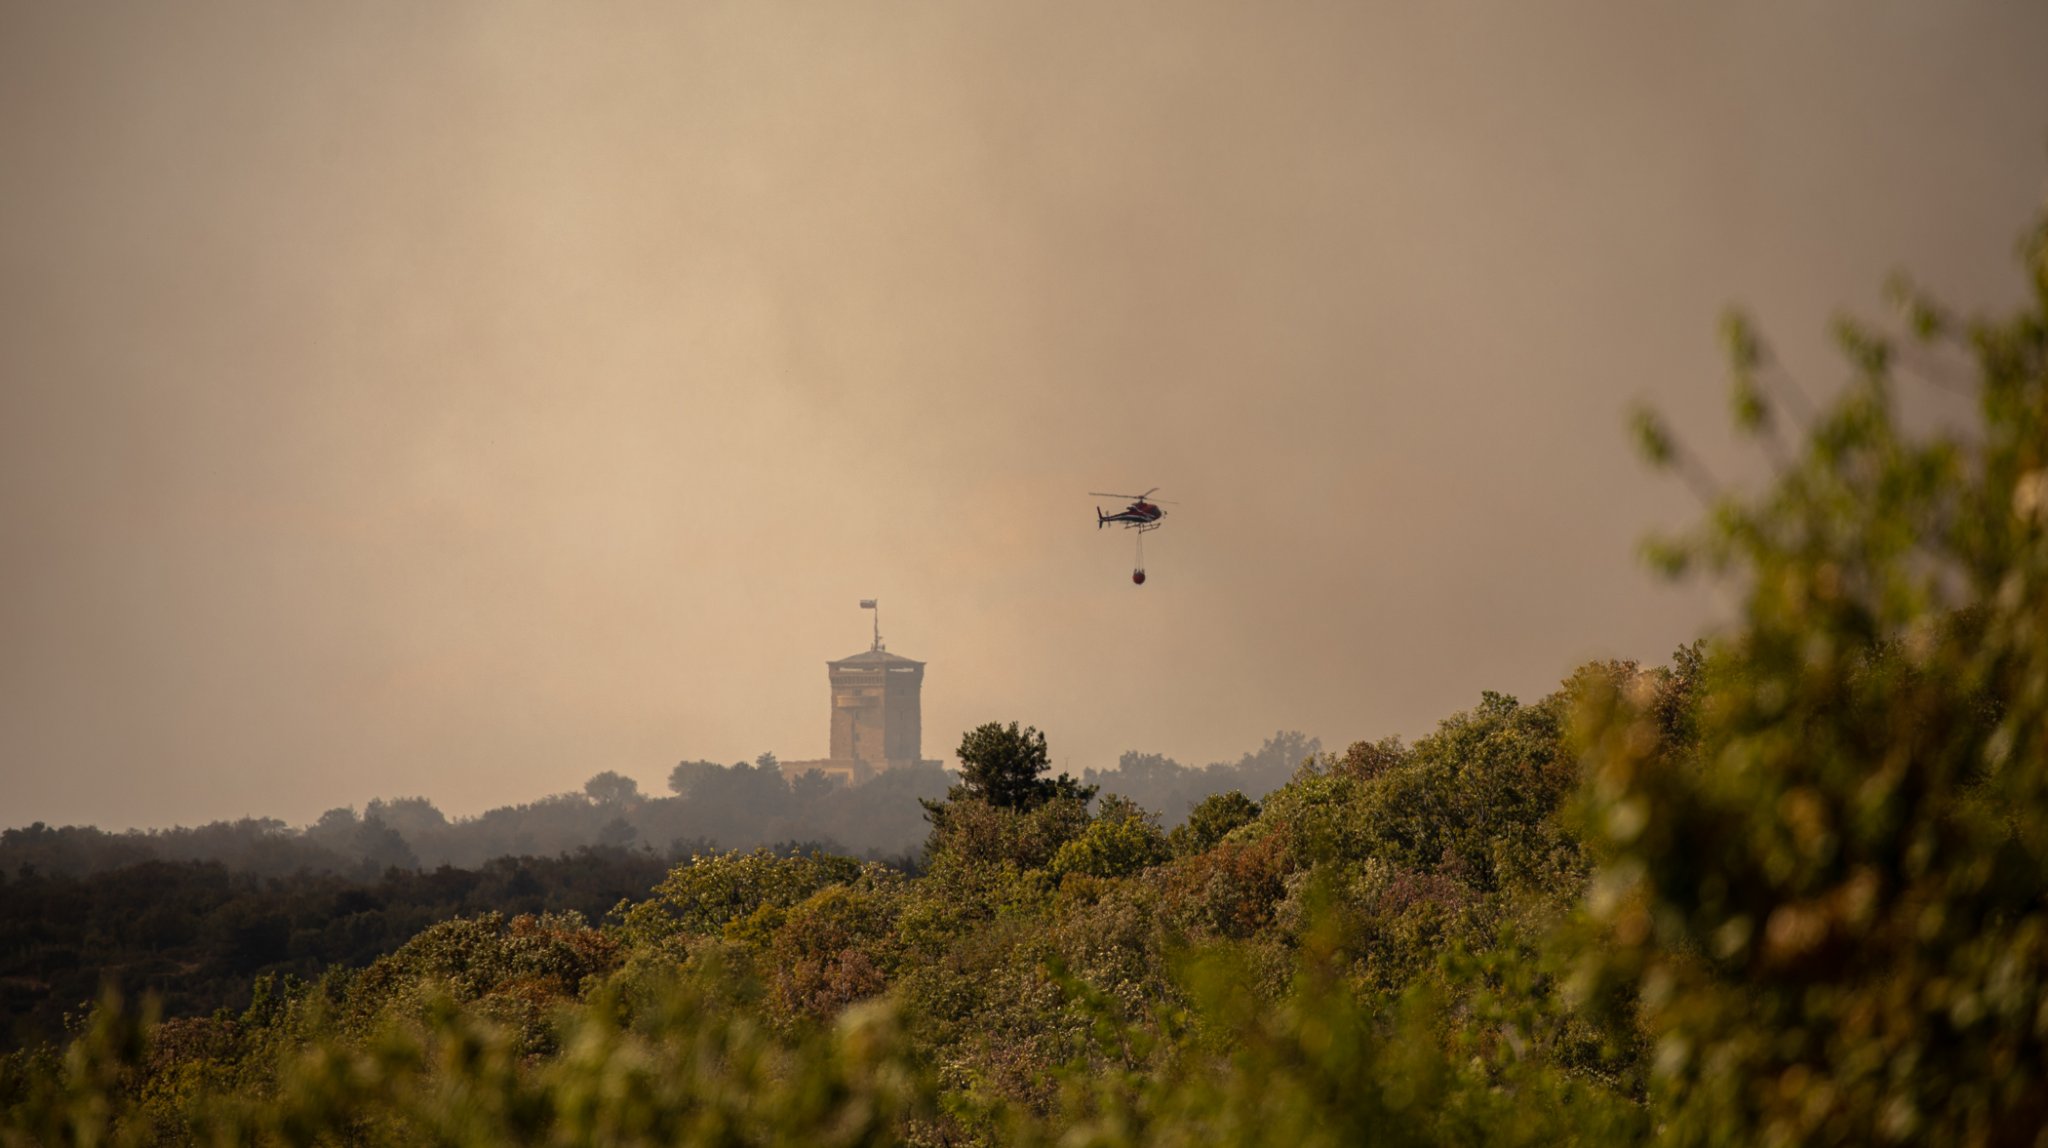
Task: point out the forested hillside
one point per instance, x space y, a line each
1791 888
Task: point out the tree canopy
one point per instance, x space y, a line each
1005 767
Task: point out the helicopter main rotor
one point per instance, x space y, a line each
1133 497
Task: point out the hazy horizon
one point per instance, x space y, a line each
460 400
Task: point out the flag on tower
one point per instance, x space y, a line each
867 603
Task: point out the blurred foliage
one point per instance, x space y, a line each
1827 894
1787 889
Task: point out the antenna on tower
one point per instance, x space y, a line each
870 604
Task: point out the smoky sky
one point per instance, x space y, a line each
462 399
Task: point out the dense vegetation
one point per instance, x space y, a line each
198 916
1790 889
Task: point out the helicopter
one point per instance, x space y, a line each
1142 515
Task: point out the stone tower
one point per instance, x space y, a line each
876 719
877 715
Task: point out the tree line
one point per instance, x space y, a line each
709 806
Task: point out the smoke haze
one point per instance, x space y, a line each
462 399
